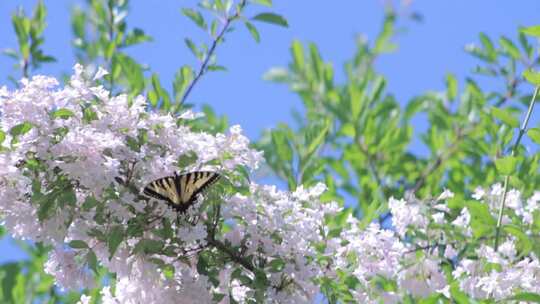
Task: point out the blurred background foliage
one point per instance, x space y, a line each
353 134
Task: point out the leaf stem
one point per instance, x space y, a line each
522 131
111 39
212 241
232 255
372 168
25 66
440 159
208 55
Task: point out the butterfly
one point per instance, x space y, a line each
181 191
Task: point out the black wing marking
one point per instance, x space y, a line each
194 183
180 191
164 189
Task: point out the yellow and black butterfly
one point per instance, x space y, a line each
181 191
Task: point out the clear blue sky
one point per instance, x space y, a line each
427 50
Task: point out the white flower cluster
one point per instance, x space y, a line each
73 161
282 228
63 149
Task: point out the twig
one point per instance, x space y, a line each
233 255
211 240
438 162
111 39
373 170
208 55
522 131
25 66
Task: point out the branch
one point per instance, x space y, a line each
437 244
522 131
208 55
246 263
111 33
373 170
441 158
211 240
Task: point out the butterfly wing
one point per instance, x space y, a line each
191 184
165 189
181 191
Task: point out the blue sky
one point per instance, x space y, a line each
427 50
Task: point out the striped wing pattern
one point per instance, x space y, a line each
180 191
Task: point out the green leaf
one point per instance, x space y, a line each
2 136
532 77
186 159
89 203
8 276
89 115
182 79
91 258
136 36
67 197
531 31
524 43
62 113
505 116
271 18
20 129
314 142
510 47
282 145
215 68
482 222
213 28
506 165
458 295
277 75
133 72
451 86
297 50
78 244
160 92
11 53
383 43
133 143
148 246
524 242
253 31
263 2
202 264
18 25
356 97
116 236
135 228
261 281
193 48
488 47
110 49
348 130
40 12
153 98
45 207
19 291
196 17
167 229
43 58
528 297
533 133
276 265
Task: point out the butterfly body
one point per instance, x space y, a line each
181 191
